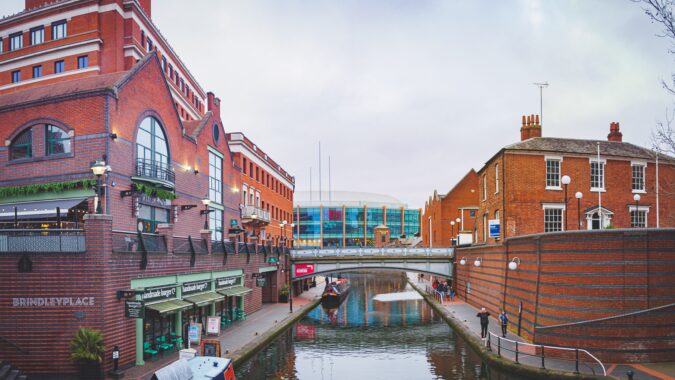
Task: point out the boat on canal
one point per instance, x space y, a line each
334 293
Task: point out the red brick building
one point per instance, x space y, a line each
93 84
266 192
451 218
522 189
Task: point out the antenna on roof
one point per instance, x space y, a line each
541 101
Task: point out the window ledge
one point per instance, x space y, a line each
40 159
597 190
555 188
639 192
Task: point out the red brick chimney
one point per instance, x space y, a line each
213 103
530 128
147 7
614 134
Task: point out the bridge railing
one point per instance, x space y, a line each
358 252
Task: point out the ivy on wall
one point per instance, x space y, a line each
16 191
154 191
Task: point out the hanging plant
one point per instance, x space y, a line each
55 187
154 191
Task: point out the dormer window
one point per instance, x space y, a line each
22 146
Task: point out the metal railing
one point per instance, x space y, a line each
13 345
559 358
153 169
130 242
39 240
342 252
254 213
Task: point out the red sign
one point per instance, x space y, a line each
303 269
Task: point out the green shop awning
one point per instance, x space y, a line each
165 307
204 298
235 291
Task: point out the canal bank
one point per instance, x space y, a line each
459 319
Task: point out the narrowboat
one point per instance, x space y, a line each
334 293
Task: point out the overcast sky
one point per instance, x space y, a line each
406 96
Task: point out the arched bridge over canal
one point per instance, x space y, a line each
312 262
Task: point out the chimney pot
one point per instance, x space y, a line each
614 132
524 120
536 118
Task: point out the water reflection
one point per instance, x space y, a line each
369 339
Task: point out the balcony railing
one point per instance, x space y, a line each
39 240
155 170
251 214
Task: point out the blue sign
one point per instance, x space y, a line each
495 230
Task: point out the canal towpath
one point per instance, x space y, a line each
245 337
465 314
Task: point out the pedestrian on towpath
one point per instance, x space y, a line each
504 319
484 321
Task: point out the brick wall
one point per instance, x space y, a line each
573 277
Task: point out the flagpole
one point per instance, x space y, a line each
599 190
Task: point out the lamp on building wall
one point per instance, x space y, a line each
462 261
636 198
98 168
566 181
478 262
515 262
579 195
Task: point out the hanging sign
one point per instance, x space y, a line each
224 282
260 281
303 269
494 228
272 260
159 293
196 287
134 309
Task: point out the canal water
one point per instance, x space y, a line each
383 330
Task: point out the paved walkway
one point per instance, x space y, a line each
466 314
241 335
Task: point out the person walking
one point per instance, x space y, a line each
504 319
484 316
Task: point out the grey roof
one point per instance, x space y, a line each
587 147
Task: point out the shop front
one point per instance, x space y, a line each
201 295
267 280
232 307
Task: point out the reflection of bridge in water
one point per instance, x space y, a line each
311 262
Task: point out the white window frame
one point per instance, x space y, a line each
215 177
56 28
643 165
603 162
632 208
484 187
257 199
37 35
559 159
555 206
15 37
485 227
496 178
244 190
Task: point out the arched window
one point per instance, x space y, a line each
22 146
152 151
58 141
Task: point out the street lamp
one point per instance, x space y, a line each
636 198
458 221
452 226
566 181
205 212
98 168
579 195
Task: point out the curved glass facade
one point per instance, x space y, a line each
339 227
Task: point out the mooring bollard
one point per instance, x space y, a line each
629 374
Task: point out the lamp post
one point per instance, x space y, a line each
452 234
206 202
579 195
636 198
98 168
566 181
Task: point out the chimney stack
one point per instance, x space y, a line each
213 104
530 127
614 133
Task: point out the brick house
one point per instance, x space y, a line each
86 84
522 189
444 211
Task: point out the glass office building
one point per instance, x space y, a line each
348 219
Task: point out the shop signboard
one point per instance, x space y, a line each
195 332
213 325
159 293
494 228
226 282
303 269
195 287
134 309
273 260
260 281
